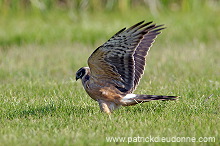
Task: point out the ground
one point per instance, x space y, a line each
42 104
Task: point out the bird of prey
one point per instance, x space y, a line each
116 67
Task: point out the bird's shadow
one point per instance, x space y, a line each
48 110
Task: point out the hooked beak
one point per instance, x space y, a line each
77 78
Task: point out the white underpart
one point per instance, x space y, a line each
127 98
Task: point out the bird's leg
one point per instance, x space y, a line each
104 106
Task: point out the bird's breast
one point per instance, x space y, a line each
105 92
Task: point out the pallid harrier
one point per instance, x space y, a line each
116 67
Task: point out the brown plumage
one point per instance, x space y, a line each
116 67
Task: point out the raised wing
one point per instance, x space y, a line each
142 51
120 61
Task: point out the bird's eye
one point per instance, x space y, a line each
79 74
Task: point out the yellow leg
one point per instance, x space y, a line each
104 107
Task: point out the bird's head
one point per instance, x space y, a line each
82 72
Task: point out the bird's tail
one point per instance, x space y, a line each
132 99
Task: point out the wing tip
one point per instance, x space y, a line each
144 27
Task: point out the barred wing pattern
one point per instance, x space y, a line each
121 60
141 53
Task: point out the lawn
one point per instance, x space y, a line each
42 104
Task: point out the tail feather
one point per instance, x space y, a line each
132 99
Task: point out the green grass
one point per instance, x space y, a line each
41 104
